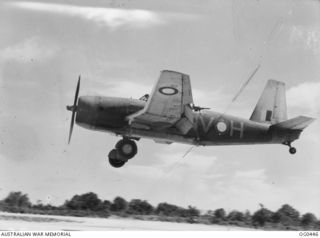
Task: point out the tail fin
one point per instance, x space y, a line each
297 123
271 107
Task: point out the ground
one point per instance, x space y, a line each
13 221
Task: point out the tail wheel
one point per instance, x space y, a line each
127 148
292 150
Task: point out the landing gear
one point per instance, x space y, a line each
114 161
292 150
125 149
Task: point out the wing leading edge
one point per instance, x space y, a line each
167 102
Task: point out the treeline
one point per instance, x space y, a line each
89 204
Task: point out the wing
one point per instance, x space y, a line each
166 103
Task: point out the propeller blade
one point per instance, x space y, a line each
71 127
73 108
77 92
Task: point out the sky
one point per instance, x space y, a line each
119 48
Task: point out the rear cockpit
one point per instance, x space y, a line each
144 97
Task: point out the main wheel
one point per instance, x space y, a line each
292 150
116 163
127 148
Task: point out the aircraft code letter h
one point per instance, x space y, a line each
235 128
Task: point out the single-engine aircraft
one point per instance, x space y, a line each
169 115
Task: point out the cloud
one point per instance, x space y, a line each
112 17
173 167
196 162
28 50
217 98
191 171
141 172
305 97
207 187
120 88
252 174
244 189
308 36
20 141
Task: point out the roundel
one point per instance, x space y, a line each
222 126
168 90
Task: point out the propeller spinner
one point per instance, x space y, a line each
73 109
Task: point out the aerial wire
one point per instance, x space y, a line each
275 29
188 151
244 85
166 174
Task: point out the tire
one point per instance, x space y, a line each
126 148
116 163
292 150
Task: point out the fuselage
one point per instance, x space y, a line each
110 114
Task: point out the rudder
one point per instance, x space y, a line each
271 107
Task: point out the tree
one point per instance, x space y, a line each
262 216
17 199
308 219
286 215
247 217
192 212
318 225
137 206
87 201
167 209
106 205
209 213
235 216
220 214
119 204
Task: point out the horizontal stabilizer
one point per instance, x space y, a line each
297 123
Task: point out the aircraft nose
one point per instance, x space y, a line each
87 103
86 109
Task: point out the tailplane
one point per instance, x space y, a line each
290 130
297 123
271 107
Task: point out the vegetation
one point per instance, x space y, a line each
89 204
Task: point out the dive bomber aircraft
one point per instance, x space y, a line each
168 115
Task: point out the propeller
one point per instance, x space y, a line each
73 109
